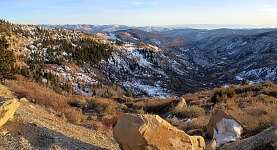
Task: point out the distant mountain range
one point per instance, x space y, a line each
105 28
188 59
116 27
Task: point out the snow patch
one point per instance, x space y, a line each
259 74
151 90
112 36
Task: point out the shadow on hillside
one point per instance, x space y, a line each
44 138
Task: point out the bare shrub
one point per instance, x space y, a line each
191 112
44 96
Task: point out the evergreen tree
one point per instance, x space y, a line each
7 61
244 82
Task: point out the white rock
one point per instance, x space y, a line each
228 130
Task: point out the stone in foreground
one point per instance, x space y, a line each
216 118
140 132
7 109
227 130
266 140
224 128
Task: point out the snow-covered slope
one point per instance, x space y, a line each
164 63
182 65
243 52
170 67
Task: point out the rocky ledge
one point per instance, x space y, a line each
7 109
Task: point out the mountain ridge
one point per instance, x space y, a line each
164 64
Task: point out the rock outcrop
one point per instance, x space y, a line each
224 128
140 132
181 104
217 117
7 109
266 140
227 130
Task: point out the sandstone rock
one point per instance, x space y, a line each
178 104
140 132
181 104
7 110
217 117
198 142
24 100
266 140
211 145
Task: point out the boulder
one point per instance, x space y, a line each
227 130
175 105
217 117
181 104
7 109
24 100
211 145
266 140
198 142
140 132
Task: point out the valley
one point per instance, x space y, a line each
86 78
164 62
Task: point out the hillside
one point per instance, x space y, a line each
245 53
37 127
163 64
58 125
61 59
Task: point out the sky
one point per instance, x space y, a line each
141 12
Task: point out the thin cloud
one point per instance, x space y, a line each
269 8
136 3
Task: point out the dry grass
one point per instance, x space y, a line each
152 105
39 94
195 123
200 122
73 108
5 92
200 98
103 112
190 112
256 117
105 108
254 105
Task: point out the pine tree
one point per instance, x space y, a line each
244 82
7 61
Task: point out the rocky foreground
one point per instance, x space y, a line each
25 125
34 127
141 132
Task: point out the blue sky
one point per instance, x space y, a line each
140 12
